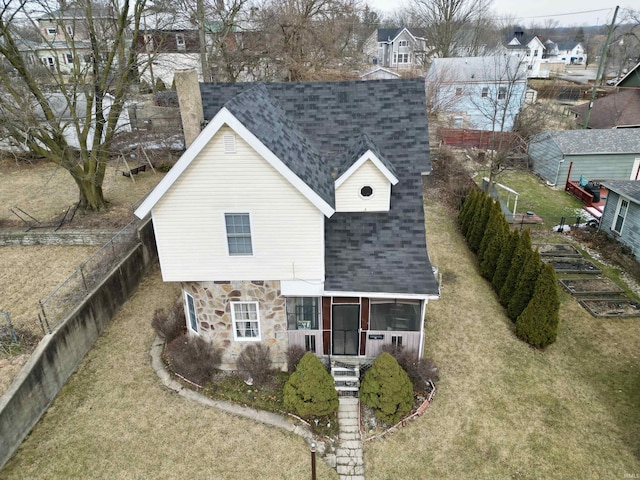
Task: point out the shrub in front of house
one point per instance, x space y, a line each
310 391
254 362
171 324
193 358
386 388
294 355
420 371
538 323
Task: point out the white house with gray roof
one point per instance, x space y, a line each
610 154
296 218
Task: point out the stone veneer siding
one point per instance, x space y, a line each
213 309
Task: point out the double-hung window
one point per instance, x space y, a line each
246 320
502 93
238 228
180 41
485 92
623 206
191 312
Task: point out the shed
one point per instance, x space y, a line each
621 215
611 154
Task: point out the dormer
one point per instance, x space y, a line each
365 186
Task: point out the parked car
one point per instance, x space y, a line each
612 81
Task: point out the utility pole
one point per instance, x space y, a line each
598 80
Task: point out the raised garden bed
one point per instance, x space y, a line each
611 308
590 287
557 250
572 265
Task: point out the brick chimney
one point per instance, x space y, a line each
190 103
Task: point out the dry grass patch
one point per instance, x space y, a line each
114 420
505 410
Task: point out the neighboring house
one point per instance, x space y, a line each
379 73
530 51
397 48
558 156
621 215
296 218
61 110
616 110
569 52
169 44
631 79
481 93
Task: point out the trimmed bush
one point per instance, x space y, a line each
193 358
169 325
526 284
294 354
255 362
518 260
504 261
538 323
491 229
387 389
310 391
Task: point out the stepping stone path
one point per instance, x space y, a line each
349 455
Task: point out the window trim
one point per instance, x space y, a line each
485 92
365 197
250 235
403 43
190 320
621 201
502 93
299 325
180 41
52 31
234 321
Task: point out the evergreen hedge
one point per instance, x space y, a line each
526 285
495 246
538 323
310 390
387 389
480 222
504 261
518 260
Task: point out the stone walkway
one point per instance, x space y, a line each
349 456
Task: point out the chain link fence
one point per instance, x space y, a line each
71 292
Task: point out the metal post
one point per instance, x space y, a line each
44 316
10 325
313 460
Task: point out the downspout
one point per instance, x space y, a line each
558 172
422 315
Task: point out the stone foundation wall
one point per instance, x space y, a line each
213 308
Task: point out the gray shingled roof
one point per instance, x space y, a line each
627 188
364 252
490 68
264 117
593 142
357 149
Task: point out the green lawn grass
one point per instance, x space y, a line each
537 197
505 410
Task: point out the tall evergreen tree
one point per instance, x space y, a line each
491 230
526 285
494 248
517 264
468 211
480 222
538 323
504 261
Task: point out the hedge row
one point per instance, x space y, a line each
525 286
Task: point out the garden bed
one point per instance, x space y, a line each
590 287
572 265
611 308
557 250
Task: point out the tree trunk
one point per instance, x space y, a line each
91 197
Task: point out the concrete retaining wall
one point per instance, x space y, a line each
58 354
65 237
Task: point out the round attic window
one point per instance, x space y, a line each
366 191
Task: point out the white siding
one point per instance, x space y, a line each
348 198
287 231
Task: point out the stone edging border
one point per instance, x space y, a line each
268 418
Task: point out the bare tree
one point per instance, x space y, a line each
444 21
90 78
306 39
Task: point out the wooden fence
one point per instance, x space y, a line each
483 139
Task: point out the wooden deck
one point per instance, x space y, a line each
594 209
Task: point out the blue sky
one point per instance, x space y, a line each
524 12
